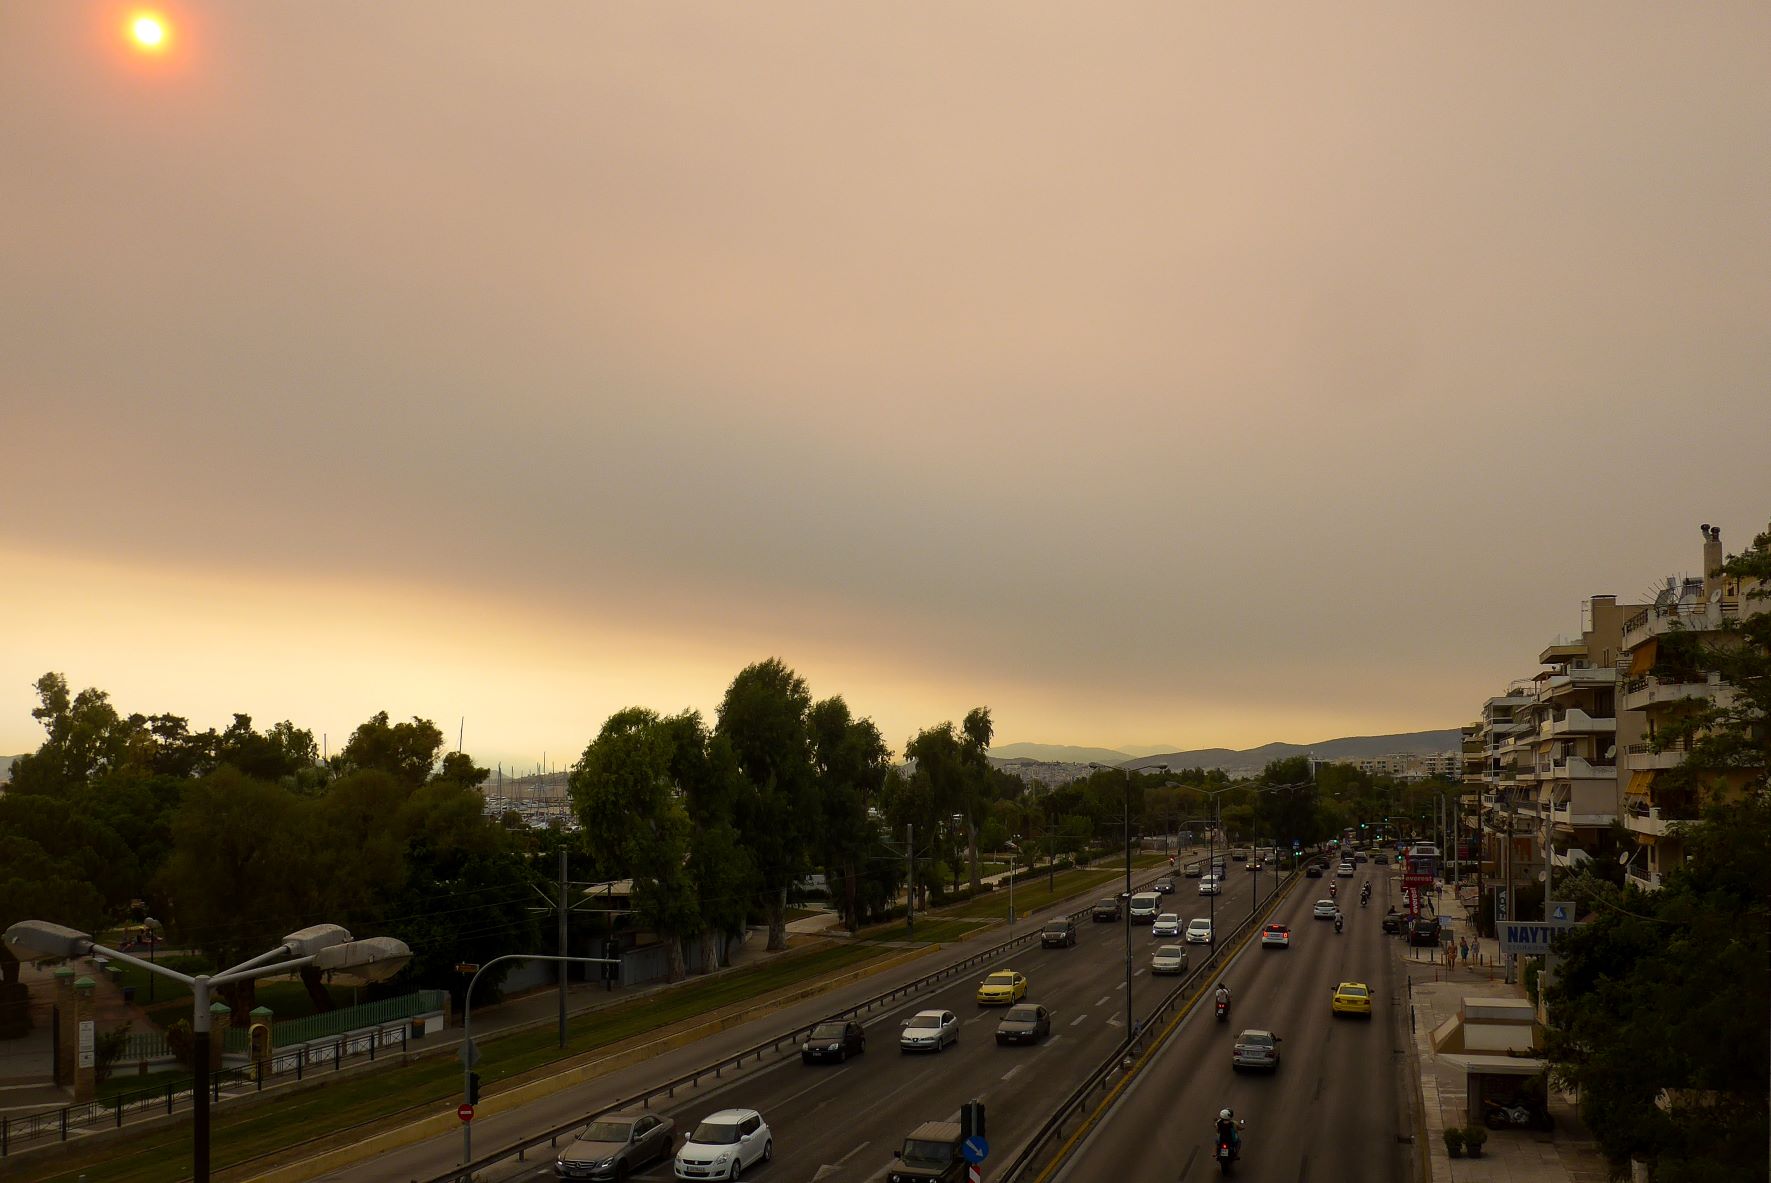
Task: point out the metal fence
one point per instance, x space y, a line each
325 1055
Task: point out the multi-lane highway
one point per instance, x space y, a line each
842 1121
1335 1109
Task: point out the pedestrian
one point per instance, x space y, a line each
1450 954
1463 950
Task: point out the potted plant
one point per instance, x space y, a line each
1473 1139
1454 1141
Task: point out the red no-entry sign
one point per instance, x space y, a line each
465 1113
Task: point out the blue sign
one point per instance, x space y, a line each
975 1149
1527 940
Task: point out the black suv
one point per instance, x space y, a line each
1106 910
929 1155
1423 930
1058 933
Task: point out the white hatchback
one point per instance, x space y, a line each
724 1144
1199 931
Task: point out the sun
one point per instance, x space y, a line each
149 32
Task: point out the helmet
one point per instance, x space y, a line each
1225 1115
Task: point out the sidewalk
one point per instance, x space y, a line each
1566 1155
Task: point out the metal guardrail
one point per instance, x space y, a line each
1032 1154
755 1052
307 1058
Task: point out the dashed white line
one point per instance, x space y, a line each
1011 1071
1078 1019
1102 1001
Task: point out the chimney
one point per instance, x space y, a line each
1712 560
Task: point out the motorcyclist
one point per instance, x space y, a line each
1338 920
1227 1131
1223 995
1333 890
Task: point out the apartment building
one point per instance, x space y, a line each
1662 680
1579 734
1500 763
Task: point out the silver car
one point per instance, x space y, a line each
615 1146
1168 959
1255 1049
929 1031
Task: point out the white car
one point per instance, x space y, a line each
1344 871
1167 925
1324 910
1210 886
724 1144
929 1031
1199 931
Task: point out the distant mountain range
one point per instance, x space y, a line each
1355 747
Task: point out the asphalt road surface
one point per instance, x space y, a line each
1336 1109
842 1121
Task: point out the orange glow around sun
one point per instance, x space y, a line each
149 32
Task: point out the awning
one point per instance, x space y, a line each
1639 782
1642 660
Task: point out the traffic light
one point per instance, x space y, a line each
473 1088
971 1119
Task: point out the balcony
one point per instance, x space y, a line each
1665 618
1642 819
1646 880
1576 723
1643 758
1578 678
1641 693
1576 768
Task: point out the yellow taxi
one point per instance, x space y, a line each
1001 988
1352 998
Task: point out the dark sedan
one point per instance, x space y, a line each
833 1041
1313 871
615 1146
1025 1022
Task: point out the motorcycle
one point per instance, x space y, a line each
1496 1115
1227 1150
1223 1010
1365 899
1338 923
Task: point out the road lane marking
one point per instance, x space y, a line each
1103 1000
831 1168
1011 1071
1078 1019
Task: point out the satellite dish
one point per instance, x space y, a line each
1624 857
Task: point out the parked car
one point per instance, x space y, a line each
833 1041
1393 921
1058 933
724 1144
1106 910
1168 959
1423 930
1025 1022
616 1145
929 1031
1255 1049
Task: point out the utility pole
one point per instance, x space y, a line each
909 879
1512 900
565 901
1129 1032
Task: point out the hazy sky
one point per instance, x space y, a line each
1148 372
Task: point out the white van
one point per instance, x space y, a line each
1144 906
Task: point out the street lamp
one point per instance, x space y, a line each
1129 1019
1013 851
326 947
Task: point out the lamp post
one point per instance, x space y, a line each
1014 849
1126 910
326 947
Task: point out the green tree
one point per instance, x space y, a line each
404 750
636 824
850 761
763 717
977 731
